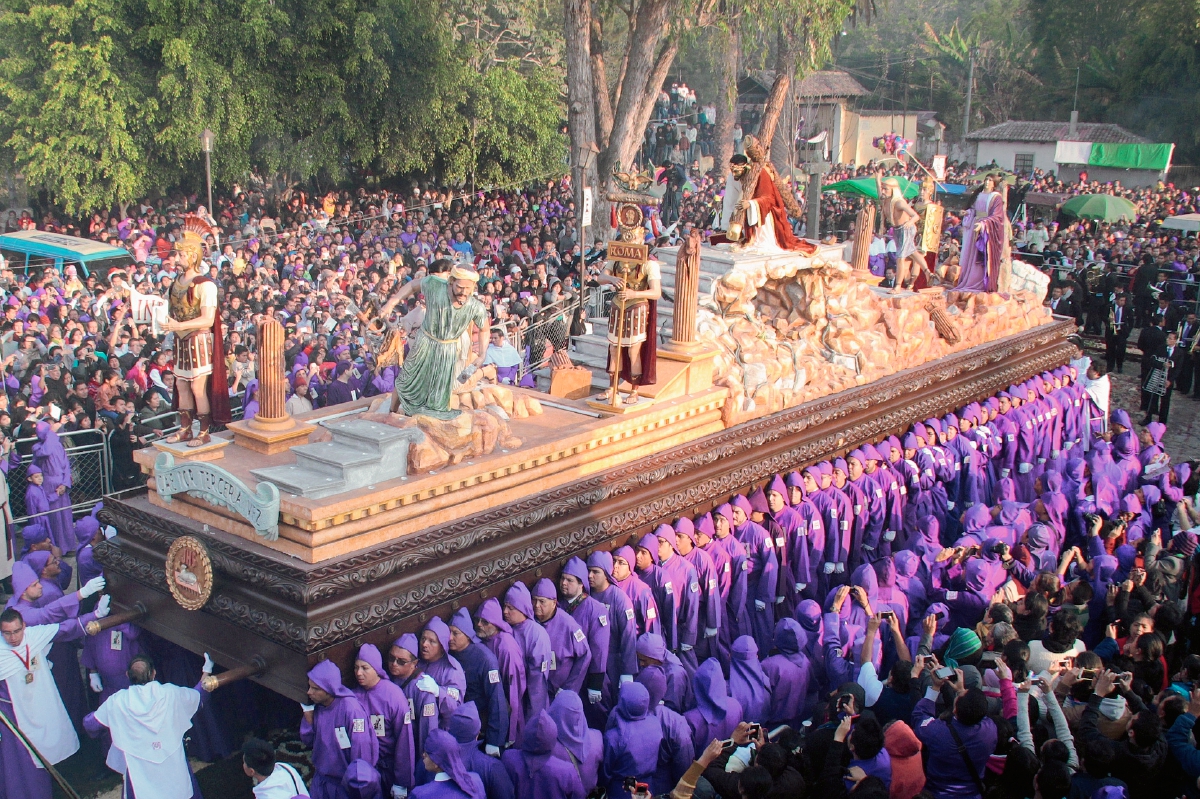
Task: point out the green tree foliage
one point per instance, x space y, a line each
102 101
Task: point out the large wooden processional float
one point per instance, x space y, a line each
287 541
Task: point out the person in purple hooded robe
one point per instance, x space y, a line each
38 498
677 574
890 595
535 645
928 546
449 683
465 726
51 458
1025 417
535 771
708 612
87 535
593 620
338 729
763 573
646 567
631 741
907 563
584 745
716 714
404 669
451 778
923 491
853 606
641 595
342 389
622 623
676 751
942 628
808 544
975 523
362 781
653 655
729 555
968 603
107 656
481 668
747 682
570 654
250 400
866 532
497 634
1152 450
785 526
787 674
390 720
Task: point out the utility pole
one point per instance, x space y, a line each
1075 105
970 89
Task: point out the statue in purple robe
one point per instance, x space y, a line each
985 239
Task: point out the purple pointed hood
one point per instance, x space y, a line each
443 750
519 598
491 612
328 677
711 691
567 712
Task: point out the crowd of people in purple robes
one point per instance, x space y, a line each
997 602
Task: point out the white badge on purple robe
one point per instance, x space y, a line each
579 636
377 724
454 694
695 587
670 589
342 738
114 640
428 710
629 611
603 619
494 676
358 725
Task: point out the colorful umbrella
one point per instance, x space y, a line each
1102 207
865 187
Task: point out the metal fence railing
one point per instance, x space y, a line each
91 473
553 326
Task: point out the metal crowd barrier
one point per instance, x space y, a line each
91 474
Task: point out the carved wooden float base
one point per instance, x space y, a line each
293 613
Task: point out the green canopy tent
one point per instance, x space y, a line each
1101 207
865 187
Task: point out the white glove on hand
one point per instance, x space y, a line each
890 535
800 587
94 680
208 664
778 600
1024 468
92 587
1005 472
494 751
840 568
428 685
399 792
829 567
710 632
686 647
760 605
594 696
307 708
949 506
102 607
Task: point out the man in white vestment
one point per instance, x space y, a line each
147 721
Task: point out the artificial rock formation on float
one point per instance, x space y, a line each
482 426
800 328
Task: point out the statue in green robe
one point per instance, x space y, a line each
430 370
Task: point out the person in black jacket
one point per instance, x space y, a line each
1116 333
1139 759
1151 341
